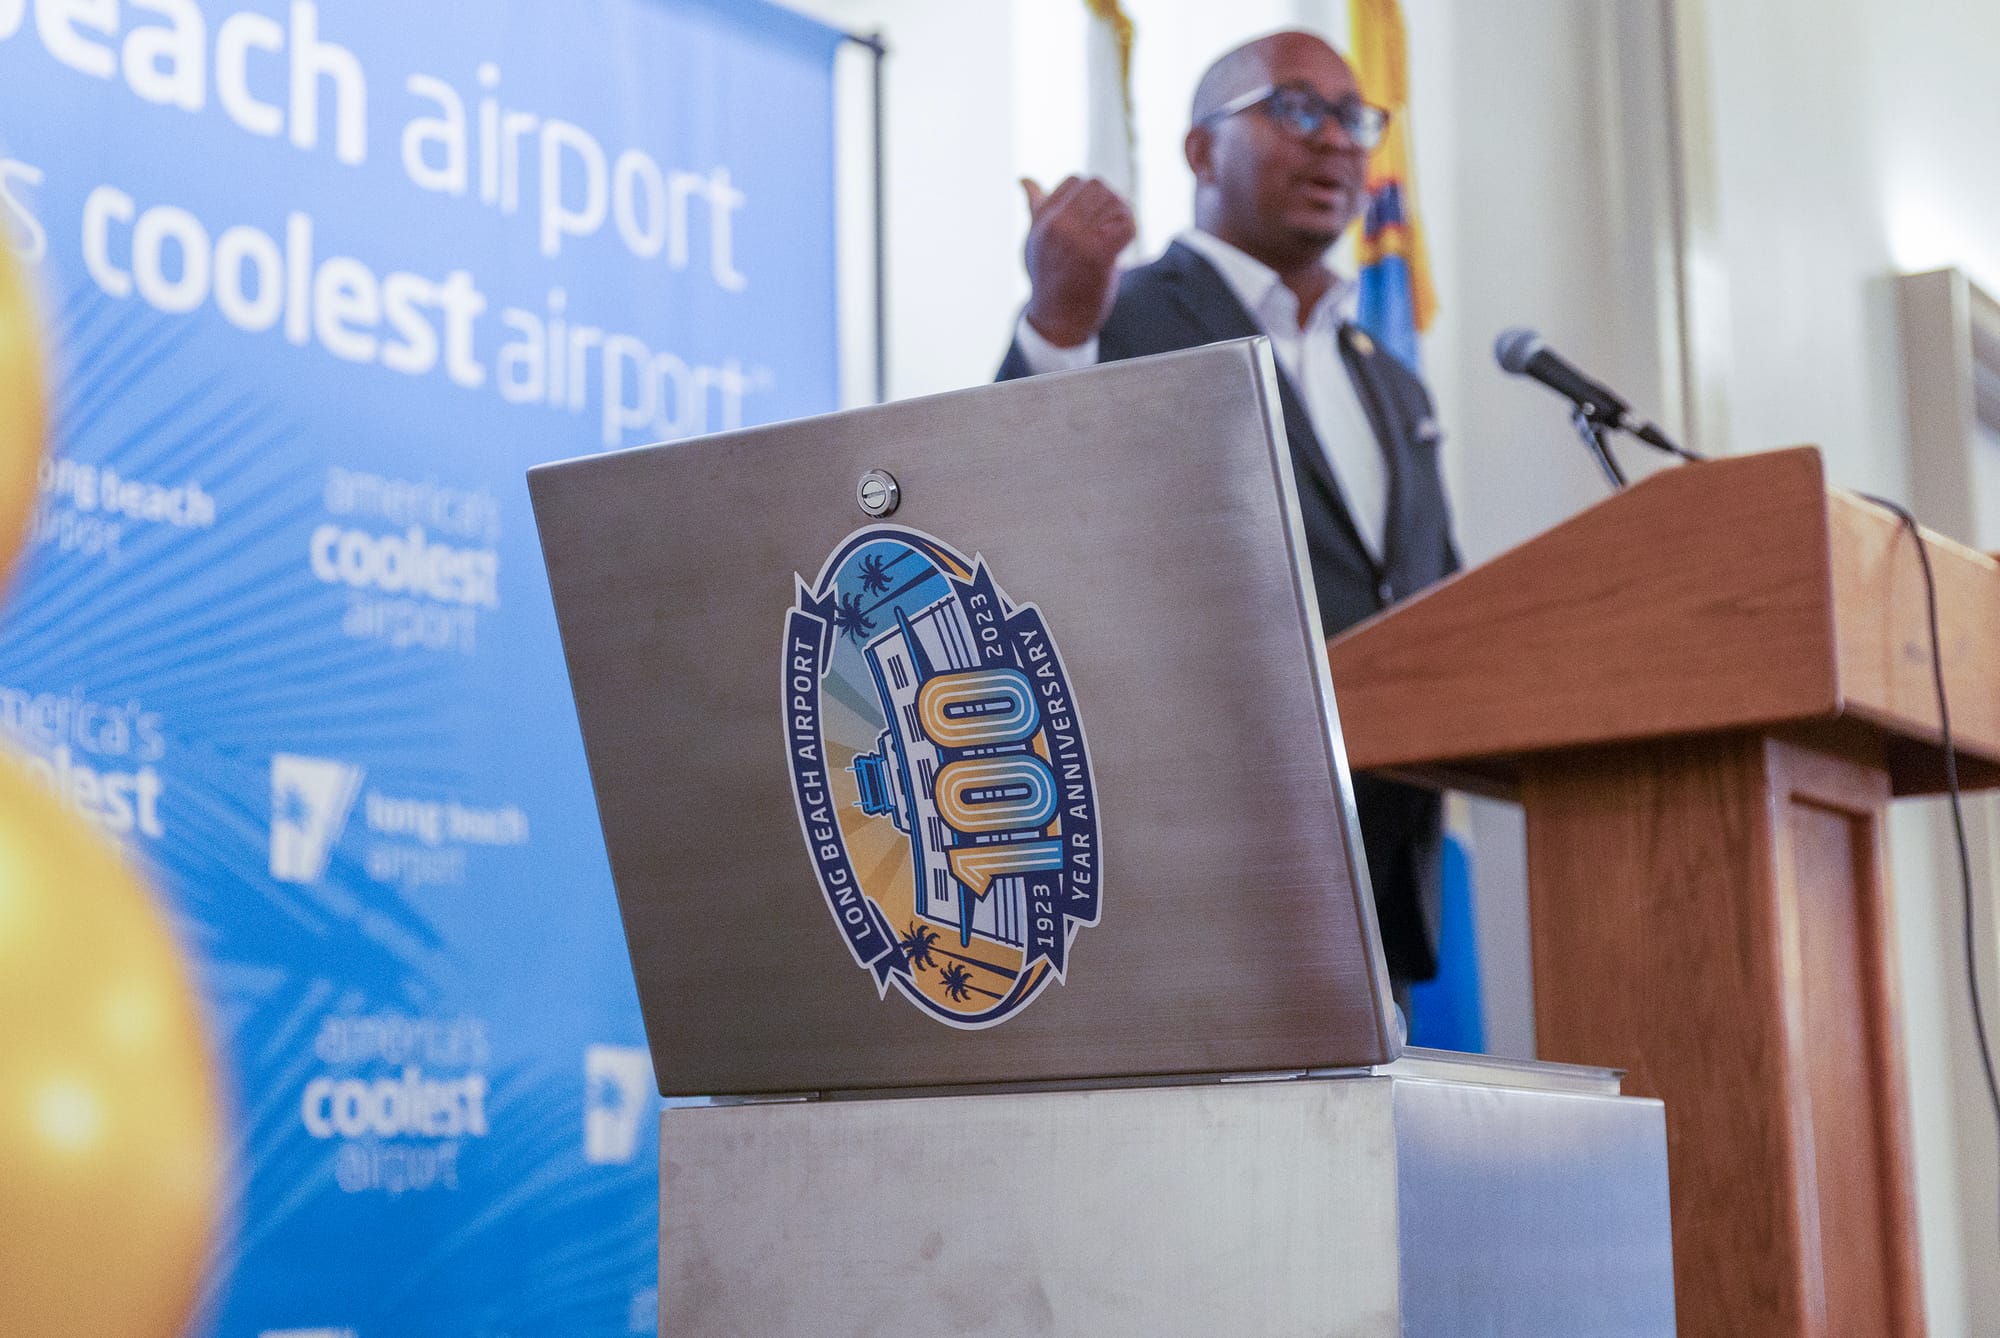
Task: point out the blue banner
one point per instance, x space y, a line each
321 283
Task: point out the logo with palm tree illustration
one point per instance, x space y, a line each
942 776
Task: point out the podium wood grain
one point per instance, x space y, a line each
1737 594
1704 692
1709 914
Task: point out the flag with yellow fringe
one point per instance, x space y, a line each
1397 301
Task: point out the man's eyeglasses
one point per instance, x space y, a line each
1304 113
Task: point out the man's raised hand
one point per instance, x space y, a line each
1075 235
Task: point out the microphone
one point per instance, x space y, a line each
1525 353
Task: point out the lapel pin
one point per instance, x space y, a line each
1361 342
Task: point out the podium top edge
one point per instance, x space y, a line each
1497 1071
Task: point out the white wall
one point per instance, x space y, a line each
1854 141
951 201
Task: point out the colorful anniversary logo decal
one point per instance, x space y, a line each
941 775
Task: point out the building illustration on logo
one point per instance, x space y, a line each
310 800
941 775
899 778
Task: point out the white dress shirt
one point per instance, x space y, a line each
1310 356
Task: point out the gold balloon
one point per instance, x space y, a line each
110 1134
22 412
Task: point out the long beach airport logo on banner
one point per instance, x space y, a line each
942 777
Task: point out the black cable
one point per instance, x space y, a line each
1951 785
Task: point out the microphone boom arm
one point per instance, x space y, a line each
1592 431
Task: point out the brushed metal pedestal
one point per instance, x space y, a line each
1426 1197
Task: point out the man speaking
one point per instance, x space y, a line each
1278 143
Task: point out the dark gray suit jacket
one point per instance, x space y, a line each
1179 301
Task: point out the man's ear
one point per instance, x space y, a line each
1199 149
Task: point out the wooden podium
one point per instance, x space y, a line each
1704 692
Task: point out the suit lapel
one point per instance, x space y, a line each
1361 357
1214 309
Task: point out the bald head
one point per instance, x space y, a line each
1249 66
1264 185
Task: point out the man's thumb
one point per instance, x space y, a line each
1035 194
